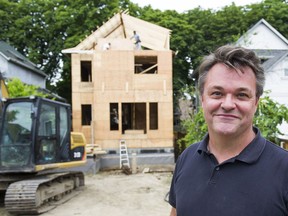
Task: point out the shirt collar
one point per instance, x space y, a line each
249 154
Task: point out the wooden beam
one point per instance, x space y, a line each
153 66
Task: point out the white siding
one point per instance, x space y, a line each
277 83
262 38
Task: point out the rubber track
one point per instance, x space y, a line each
21 197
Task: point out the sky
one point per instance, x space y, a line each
183 5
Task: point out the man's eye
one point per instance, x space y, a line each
216 93
243 95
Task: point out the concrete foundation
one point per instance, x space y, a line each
139 161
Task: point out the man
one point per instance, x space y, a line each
137 40
233 171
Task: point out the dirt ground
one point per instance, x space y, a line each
117 194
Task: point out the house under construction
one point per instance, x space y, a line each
120 93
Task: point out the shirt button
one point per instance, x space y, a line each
217 168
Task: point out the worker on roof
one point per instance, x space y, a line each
137 40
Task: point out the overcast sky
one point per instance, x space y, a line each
183 5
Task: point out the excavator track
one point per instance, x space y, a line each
42 193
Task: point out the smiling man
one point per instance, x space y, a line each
233 170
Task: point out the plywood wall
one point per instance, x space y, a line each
114 81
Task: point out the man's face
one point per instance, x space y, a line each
229 100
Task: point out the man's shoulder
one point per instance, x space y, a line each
279 155
194 146
192 149
275 149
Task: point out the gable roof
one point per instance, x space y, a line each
272 56
263 36
122 25
12 55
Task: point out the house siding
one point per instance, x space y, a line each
114 81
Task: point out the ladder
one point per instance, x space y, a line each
124 159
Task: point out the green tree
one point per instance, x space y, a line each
40 29
270 114
16 88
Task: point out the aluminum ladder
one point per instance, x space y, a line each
124 158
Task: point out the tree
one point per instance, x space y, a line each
16 88
267 119
40 29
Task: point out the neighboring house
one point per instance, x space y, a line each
122 93
15 65
272 48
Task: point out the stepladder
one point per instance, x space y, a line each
124 158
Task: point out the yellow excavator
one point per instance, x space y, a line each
38 152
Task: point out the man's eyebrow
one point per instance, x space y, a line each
244 89
238 89
217 87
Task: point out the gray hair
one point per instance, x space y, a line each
233 57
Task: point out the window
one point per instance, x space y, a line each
64 130
47 120
153 116
133 116
286 72
86 71
86 112
114 118
15 145
146 65
47 134
263 60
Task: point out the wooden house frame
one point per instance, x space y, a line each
122 93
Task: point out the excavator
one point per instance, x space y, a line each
39 155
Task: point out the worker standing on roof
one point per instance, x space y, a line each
137 40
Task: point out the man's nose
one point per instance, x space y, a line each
228 102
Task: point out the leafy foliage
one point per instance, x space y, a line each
41 29
16 88
195 128
269 115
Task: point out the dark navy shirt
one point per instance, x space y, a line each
254 183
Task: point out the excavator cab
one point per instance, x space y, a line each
35 135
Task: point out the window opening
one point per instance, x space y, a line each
133 116
153 116
86 71
114 118
86 114
146 65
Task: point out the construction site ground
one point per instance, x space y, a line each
117 194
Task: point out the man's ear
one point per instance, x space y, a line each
201 98
257 103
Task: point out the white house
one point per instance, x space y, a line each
14 64
272 48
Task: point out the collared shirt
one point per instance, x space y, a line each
254 183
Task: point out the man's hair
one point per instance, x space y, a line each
233 57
